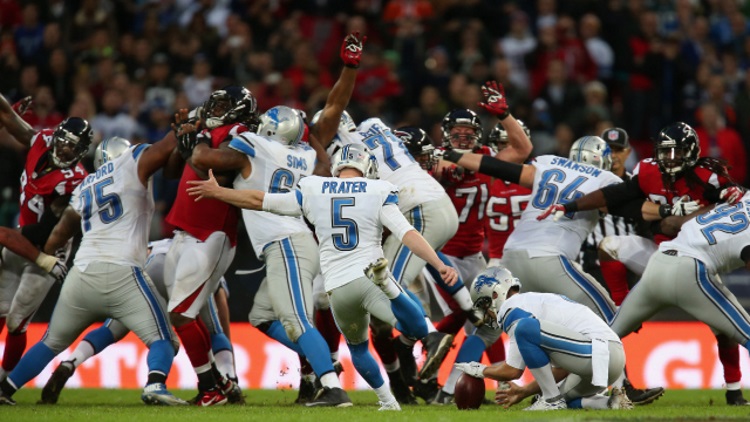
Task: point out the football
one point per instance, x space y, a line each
469 392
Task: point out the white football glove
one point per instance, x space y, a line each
475 369
59 271
731 195
684 207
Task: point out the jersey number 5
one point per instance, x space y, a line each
348 240
108 204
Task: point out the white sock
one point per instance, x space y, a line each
619 381
391 288
384 393
450 383
733 386
545 379
407 341
596 401
335 356
430 326
225 363
83 351
330 380
464 299
393 366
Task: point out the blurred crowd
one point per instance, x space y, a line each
569 67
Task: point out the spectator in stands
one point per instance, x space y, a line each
112 120
719 141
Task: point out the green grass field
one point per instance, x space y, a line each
269 405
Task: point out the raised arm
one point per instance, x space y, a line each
327 125
158 155
16 126
519 145
522 174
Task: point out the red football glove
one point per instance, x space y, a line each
351 50
731 195
558 210
22 106
494 99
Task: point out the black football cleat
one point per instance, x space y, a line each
641 396
307 390
735 398
427 390
53 388
437 345
330 397
400 389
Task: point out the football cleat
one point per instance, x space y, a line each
437 345
211 397
443 398
157 394
555 403
426 390
232 391
330 397
53 388
378 272
6 401
640 396
307 390
393 405
619 400
735 398
400 389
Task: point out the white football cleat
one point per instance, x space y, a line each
157 394
392 405
619 400
555 403
378 272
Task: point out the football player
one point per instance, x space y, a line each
107 279
559 340
51 173
349 212
675 182
204 246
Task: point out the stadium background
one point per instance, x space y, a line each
570 68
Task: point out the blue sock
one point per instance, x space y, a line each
316 350
529 337
365 364
575 404
100 338
277 332
439 280
31 364
471 350
410 316
160 356
416 300
219 342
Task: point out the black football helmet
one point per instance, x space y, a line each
498 137
231 104
461 117
70 141
677 148
419 145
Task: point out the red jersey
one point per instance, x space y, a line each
41 183
203 218
652 185
507 202
469 196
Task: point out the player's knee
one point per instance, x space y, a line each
528 329
292 328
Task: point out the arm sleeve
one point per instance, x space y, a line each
289 203
392 218
619 194
38 233
500 169
631 209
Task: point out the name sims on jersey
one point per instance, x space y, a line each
582 168
296 162
344 187
104 170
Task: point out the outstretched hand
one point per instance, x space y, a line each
495 101
351 49
508 394
203 189
22 106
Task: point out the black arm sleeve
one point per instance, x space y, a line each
745 254
510 172
620 194
39 232
631 209
711 193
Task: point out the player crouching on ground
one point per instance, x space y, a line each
558 339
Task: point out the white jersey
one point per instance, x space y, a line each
395 164
348 215
276 168
715 238
160 247
558 180
116 211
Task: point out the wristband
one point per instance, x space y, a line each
665 210
351 66
504 115
452 156
571 206
46 262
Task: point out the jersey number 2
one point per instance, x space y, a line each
736 214
109 204
348 240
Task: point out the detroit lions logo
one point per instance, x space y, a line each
273 116
483 281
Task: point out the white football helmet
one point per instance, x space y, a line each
490 289
282 124
346 124
357 157
109 149
592 150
